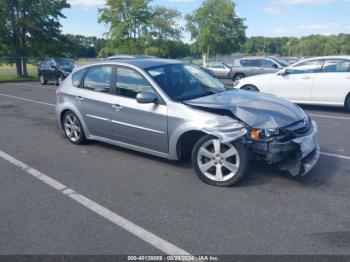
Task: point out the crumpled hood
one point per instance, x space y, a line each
258 110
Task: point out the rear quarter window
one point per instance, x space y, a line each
78 76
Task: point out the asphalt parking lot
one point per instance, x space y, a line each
139 204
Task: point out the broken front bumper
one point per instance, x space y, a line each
297 156
306 156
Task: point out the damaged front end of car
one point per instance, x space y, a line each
294 148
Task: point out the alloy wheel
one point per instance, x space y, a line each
72 127
218 162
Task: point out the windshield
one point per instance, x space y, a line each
65 64
184 82
282 62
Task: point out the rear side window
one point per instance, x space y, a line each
336 66
249 62
78 77
98 79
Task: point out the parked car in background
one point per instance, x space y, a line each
318 81
125 57
291 60
174 110
218 69
55 70
251 66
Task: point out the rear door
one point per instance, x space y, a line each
142 125
332 84
296 84
95 99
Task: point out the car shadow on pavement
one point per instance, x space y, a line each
324 109
258 172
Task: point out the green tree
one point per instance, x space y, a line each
28 26
164 27
216 27
128 22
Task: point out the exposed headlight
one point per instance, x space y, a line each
261 134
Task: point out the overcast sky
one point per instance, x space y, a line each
263 17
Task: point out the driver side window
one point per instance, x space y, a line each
307 67
130 83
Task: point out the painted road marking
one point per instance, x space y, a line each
333 117
28 100
335 155
129 226
26 85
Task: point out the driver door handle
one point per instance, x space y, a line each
117 107
306 77
79 98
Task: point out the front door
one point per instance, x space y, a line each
142 125
296 84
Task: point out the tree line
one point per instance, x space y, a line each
32 28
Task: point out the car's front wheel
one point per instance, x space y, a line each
59 80
73 129
42 80
219 164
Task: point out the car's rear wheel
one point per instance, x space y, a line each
251 88
347 103
42 80
73 129
219 164
237 77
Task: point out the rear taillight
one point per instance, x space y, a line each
58 93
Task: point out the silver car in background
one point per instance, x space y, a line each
251 66
218 69
174 110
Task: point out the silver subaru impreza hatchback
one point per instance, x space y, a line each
175 110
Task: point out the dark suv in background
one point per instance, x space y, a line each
55 70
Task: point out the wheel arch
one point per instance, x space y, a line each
76 112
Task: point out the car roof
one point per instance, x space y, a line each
144 63
328 57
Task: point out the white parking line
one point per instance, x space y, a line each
26 99
27 85
129 226
335 155
333 117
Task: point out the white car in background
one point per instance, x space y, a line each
315 81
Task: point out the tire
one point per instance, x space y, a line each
73 129
237 77
347 103
59 80
251 88
43 81
208 157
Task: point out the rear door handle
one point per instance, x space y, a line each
79 98
117 107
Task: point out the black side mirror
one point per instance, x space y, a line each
146 98
283 72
